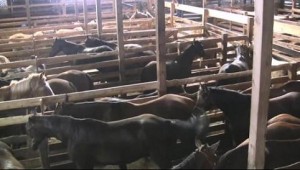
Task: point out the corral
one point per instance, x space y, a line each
27 36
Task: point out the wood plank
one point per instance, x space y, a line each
99 17
263 27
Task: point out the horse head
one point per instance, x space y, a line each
209 154
57 46
198 48
35 129
245 53
203 97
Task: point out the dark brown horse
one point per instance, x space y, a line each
81 80
169 106
236 109
91 142
7 159
290 86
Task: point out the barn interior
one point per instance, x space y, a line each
30 28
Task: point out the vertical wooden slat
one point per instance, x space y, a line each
263 27
172 12
76 9
120 36
224 48
250 28
28 13
64 7
99 17
161 46
85 14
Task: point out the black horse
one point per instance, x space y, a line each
179 68
92 142
236 108
95 42
69 48
242 62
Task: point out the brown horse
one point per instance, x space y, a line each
81 80
290 86
92 142
7 159
169 106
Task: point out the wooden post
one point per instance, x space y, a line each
264 17
292 72
172 12
85 11
64 7
28 13
76 9
99 17
161 46
120 36
250 29
293 7
224 48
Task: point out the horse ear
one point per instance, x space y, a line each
214 146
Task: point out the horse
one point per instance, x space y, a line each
7 159
242 62
69 48
203 157
290 86
179 68
92 142
95 42
169 106
277 153
81 80
237 118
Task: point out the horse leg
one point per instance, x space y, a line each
44 150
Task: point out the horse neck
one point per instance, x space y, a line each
61 128
72 48
228 101
5 93
187 57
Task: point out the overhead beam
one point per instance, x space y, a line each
263 28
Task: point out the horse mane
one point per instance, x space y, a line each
236 95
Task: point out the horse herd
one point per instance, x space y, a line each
171 129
